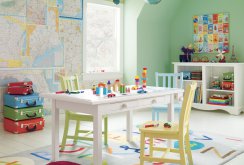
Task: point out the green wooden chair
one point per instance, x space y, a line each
71 83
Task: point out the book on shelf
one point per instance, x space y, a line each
198 95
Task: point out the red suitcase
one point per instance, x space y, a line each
20 88
14 84
23 126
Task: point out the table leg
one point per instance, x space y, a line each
171 115
97 139
129 125
55 131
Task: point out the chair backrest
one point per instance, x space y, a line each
169 80
70 83
186 107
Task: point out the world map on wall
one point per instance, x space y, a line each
28 41
40 39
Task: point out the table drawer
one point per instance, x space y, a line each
122 106
151 101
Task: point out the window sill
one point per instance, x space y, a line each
102 76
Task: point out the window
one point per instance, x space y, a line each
103 41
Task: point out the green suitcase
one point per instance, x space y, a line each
22 113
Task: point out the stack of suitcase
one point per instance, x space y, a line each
23 109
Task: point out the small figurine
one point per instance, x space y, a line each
233 56
188 51
220 56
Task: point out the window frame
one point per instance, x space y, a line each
104 75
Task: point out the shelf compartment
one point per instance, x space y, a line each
198 81
220 90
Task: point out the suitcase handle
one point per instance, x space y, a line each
30 116
30 105
30 129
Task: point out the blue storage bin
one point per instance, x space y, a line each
23 101
186 75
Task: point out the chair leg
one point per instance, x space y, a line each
182 151
153 115
66 130
151 146
142 148
188 149
106 131
157 116
77 128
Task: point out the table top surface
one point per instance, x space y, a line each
87 97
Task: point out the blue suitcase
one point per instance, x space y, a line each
23 101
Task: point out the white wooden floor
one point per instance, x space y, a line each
215 122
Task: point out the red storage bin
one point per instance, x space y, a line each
23 126
227 85
20 88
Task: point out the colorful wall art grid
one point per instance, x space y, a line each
211 33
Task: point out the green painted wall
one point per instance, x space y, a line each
154 37
147 37
182 28
132 9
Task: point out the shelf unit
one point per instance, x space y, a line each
216 69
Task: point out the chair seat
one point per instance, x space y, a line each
174 130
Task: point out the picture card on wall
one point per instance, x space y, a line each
211 33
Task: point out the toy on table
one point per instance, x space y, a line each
94 89
220 56
122 88
116 85
137 81
111 95
151 125
109 86
101 89
127 89
167 125
141 91
144 77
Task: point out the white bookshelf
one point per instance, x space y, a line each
216 69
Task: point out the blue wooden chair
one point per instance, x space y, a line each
169 80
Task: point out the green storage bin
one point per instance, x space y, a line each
22 113
228 76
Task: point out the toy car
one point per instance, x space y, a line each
141 91
167 125
111 95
